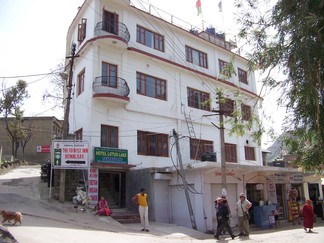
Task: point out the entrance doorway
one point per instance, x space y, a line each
112 187
281 206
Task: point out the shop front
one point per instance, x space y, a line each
107 176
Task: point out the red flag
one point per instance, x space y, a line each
198 6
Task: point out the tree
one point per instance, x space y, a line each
10 106
290 37
55 93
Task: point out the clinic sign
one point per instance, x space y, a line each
70 155
110 155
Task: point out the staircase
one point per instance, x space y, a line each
126 217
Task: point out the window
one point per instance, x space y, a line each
199 147
196 57
109 136
249 153
198 99
78 134
80 87
230 153
109 75
246 112
110 22
224 68
151 86
155 144
82 30
227 106
242 76
149 38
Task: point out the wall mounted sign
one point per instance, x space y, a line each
110 155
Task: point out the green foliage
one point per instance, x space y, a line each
290 36
11 108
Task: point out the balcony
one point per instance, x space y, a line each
111 88
116 31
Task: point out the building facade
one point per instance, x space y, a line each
137 80
37 149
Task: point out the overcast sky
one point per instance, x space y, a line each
33 36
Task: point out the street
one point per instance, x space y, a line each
49 221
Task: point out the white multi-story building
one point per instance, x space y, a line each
137 78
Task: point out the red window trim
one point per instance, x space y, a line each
158 39
203 96
249 153
204 146
203 60
230 153
159 86
144 145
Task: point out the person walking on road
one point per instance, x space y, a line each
217 203
223 219
141 200
308 216
242 208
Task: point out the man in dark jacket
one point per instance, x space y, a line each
223 218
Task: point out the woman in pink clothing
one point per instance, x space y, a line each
103 208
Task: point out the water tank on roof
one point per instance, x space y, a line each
211 30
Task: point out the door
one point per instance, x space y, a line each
110 22
112 187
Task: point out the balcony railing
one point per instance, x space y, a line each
110 86
112 29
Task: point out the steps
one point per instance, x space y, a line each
126 217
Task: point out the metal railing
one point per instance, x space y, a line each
111 28
110 85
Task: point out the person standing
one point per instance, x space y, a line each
308 215
141 200
217 205
223 219
242 208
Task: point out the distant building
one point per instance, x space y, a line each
44 130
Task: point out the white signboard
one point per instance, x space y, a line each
70 155
93 180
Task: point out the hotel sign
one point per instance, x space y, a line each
110 155
70 154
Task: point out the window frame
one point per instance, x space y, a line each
230 152
221 65
249 153
199 147
200 96
202 57
242 76
146 140
109 81
82 30
142 86
246 112
111 142
227 107
79 134
81 81
158 39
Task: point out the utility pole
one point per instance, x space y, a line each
66 119
222 143
192 216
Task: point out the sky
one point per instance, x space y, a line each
33 40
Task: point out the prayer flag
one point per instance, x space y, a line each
220 8
198 6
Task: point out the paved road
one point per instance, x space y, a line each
50 221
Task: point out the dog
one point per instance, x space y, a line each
8 216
